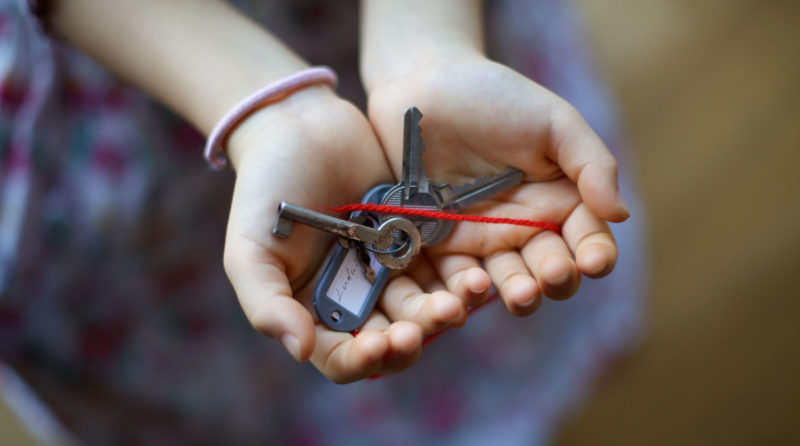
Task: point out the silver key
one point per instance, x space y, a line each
353 278
459 197
415 180
414 190
381 238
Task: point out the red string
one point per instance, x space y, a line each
438 215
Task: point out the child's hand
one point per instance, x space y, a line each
478 117
310 149
315 150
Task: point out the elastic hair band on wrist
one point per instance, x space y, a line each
214 151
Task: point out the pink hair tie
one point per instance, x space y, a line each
214 151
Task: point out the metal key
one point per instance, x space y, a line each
459 197
415 190
415 182
353 278
381 238
455 198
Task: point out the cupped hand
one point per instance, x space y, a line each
317 151
478 118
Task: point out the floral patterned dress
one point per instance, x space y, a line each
118 325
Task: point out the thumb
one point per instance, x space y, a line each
265 295
583 157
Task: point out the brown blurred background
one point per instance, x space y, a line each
711 95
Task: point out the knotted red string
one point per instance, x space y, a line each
439 215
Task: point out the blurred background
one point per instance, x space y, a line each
711 95
710 91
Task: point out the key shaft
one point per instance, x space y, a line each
288 212
414 179
456 198
381 239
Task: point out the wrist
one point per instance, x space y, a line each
377 72
206 103
277 91
297 114
400 38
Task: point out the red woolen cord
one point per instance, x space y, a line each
438 215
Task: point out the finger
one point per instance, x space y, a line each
548 256
343 358
581 154
266 297
464 277
405 342
424 274
403 299
405 347
590 238
378 348
519 291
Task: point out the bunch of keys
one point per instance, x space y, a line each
371 246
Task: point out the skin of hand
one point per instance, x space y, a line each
318 151
480 116
311 149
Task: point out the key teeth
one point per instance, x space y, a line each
461 189
465 195
414 178
415 116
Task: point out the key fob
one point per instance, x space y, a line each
353 279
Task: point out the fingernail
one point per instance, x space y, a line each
623 206
292 345
478 292
594 262
527 303
561 279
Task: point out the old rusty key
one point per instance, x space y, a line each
357 272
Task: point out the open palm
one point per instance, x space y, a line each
315 152
479 117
